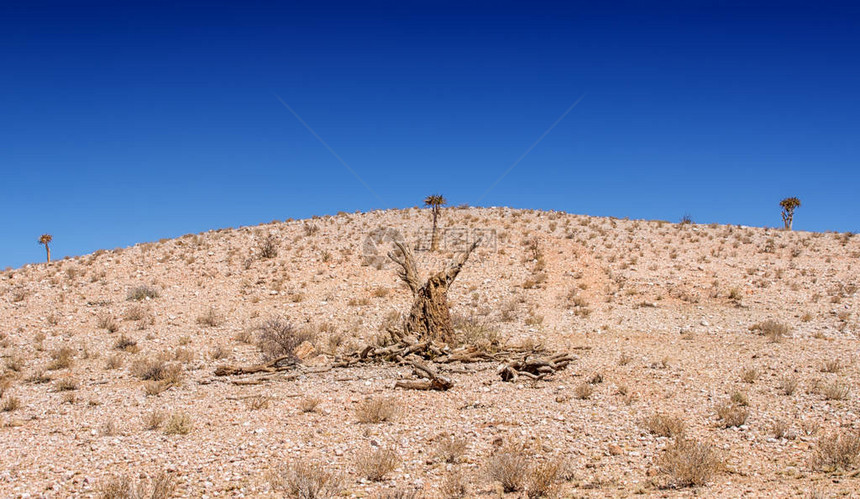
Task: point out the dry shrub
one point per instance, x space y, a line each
471 331
832 366
454 486
66 385
836 390
788 384
179 424
157 370
774 330
153 420
106 321
61 358
450 448
277 337
258 402
837 451
309 404
688 462
664 425
124 487
749 375
543 477
509 467
268 247
126 344
10 403
781 429
114 362
372 410
306 480
732 414
583 391
374 464
210 318
141 293
401 494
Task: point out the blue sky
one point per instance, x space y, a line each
124 122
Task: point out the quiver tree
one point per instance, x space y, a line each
46 240
788 206
435 202
429 317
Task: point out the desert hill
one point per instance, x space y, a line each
745 336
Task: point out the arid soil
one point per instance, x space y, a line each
747 336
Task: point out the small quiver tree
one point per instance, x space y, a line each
788 206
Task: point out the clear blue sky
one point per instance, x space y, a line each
123 122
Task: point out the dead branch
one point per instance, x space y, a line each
284 363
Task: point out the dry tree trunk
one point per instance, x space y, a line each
429 317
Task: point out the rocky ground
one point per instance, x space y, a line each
746 336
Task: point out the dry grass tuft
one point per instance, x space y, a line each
372 410
374 464
689 462
664 425
450 449
583 391
732 414
141 293
306 480
509 467
309 404
179 424
788 384
836 390
124 487
210 318
543 477
454 486
837 451
774 330
62 358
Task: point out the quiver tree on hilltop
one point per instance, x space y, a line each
429 317
46 240
435 202
788 207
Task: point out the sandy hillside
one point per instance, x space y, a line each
745 336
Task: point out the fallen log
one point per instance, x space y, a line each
433 380
284 363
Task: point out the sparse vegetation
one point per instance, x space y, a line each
837 451
688 462
375 464
377 410
142 292
306 480
278 337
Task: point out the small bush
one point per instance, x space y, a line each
61 358
258 402
450 449
376 463
732 414
542 478
157 370
749 375
10 403
309 404
305 480
141 293
831 366
179 424
277 337
210 318
126 344
836 390
269 247
153 420
509 466
689 463
454 486
66 385
664 425
106 321
788 384
124 487
837 451
372 410
774 330
583 391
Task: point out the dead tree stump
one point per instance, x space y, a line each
429 317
